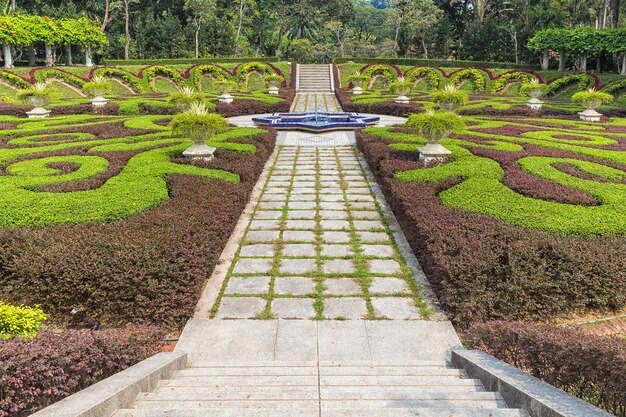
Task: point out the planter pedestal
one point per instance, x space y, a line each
433 153
226 98
534 103
590 115
99 101
38 113
402 99
200 151
273 91
357 91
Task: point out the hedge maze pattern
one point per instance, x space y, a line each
549 174
75 169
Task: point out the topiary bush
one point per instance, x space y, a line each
22 321
588 366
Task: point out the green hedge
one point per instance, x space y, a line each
435 63
182 61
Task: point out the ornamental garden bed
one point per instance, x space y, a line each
523 224
102 215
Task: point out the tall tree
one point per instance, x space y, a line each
200 10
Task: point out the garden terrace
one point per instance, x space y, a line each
545 195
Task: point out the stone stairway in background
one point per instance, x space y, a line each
314 78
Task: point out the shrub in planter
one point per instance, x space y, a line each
198 125
585 365
402 87
38 95
274 82
22 321
97 88
533 89
183 99
356 81
591 99
35 373
450 97
434 126
225 87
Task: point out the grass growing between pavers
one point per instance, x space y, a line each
294 261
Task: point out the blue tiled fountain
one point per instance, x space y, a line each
316 121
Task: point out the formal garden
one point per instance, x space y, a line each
508 181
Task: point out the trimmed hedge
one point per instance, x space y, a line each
37 372
183 61
434 62
240 107
588 366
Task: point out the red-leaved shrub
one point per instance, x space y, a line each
37 372
587 366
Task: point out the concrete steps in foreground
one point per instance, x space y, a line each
431 390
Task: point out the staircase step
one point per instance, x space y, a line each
313 412
287 406
294 393
288 380
375 370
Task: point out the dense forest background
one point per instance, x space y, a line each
485 30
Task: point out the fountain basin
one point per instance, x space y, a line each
316 121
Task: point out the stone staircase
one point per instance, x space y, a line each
428 389
315 78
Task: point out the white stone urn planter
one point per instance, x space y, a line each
273 90
200 151
99 101
590 114
38 112
402 98
534 103
226 98
357 91
434 127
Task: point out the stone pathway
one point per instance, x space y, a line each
319 247
316 101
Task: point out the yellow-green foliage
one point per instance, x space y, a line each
22 321
434 125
